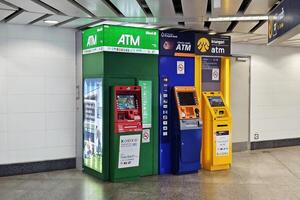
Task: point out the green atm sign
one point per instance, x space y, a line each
120 39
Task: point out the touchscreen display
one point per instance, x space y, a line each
186 98
216 101
126 102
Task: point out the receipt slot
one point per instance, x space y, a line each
217 144
188 131
125 136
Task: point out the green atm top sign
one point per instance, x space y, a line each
120 39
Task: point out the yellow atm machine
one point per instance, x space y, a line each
212 80
217 142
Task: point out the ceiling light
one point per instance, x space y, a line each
106 23
242 18
134 25
211 32
51 21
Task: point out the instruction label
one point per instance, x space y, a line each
129 151
222 143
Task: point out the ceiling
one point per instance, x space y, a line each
181 14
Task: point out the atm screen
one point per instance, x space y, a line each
186 98
216 101
126 102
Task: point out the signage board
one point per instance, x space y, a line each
283 18
212 45
120 39
176 44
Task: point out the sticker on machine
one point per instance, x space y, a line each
180 67
129 151
146 136
215 74
222 143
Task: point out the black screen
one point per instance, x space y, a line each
216 101
186 98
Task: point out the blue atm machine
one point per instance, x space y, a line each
176 68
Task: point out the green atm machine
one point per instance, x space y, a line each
120 97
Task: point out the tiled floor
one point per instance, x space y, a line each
267 174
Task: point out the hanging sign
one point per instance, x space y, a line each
173 43
212 45
120 39
283 18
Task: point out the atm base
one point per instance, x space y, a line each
217 167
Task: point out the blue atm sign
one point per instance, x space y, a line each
173 43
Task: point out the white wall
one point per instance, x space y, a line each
37 93
275 91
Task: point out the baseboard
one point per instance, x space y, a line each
35 167
239 146
275 143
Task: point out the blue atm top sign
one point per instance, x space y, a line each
176 44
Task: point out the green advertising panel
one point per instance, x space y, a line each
93 124
120 39
146 102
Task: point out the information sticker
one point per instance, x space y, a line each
129 151
222 143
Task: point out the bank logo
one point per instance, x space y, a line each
203 45
92 40
271 29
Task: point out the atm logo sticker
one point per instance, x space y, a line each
203 45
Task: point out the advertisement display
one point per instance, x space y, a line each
129 151
212 45
283 18
93 124
120 39
176 44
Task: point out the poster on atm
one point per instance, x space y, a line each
93 135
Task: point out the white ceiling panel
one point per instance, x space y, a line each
3 6
219 26
97 7
244 27
25 18
160 8
263 29
228 8
58 18
195 25
30 6
5 13
129 8
66 7
260 7
78 22
194 8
